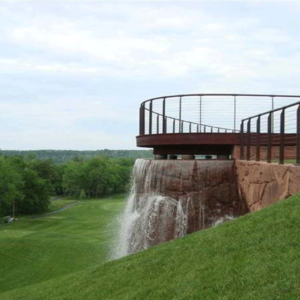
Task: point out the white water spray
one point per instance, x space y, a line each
149 218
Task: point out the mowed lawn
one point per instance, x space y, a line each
36 249
255 257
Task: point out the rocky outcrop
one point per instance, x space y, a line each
262 184
207 187
172 198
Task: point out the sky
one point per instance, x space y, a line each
73 73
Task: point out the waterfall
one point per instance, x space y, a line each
169 199
149 218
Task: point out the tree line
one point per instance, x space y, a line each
62 156
27 183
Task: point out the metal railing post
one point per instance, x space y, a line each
269 138
157 124
164 129
272 114
190 128
298 136
200 119
242 156
174 126
150 118
258 139
180 104
142 120
248 139
234 113
282 139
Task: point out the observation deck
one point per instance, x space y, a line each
220 124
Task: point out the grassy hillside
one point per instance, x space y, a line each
254 257
34 250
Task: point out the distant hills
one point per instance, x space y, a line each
61 156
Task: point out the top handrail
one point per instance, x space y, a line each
272 111
220 94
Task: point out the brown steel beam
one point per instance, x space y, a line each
210 139
194 149
188 139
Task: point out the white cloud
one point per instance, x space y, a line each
65 140
64 112
133 49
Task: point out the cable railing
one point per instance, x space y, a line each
273 136
204 113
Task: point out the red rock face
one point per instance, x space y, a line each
172 198
262 184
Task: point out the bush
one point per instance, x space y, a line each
82 195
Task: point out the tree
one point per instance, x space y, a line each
82 195
11 185
36 193
71 179
29 182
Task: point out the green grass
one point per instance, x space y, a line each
35 250
60 203
253 257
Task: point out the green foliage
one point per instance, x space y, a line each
62 156
96 177
11 185
71 179
36 193
27 183
22 187
82 195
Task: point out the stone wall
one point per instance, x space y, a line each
206 188
172 198
261 184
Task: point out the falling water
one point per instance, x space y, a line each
168 199
149 218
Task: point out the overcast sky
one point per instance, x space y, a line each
72 74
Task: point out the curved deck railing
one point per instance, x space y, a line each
277 129
207 113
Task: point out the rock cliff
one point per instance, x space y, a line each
262 184
172 198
